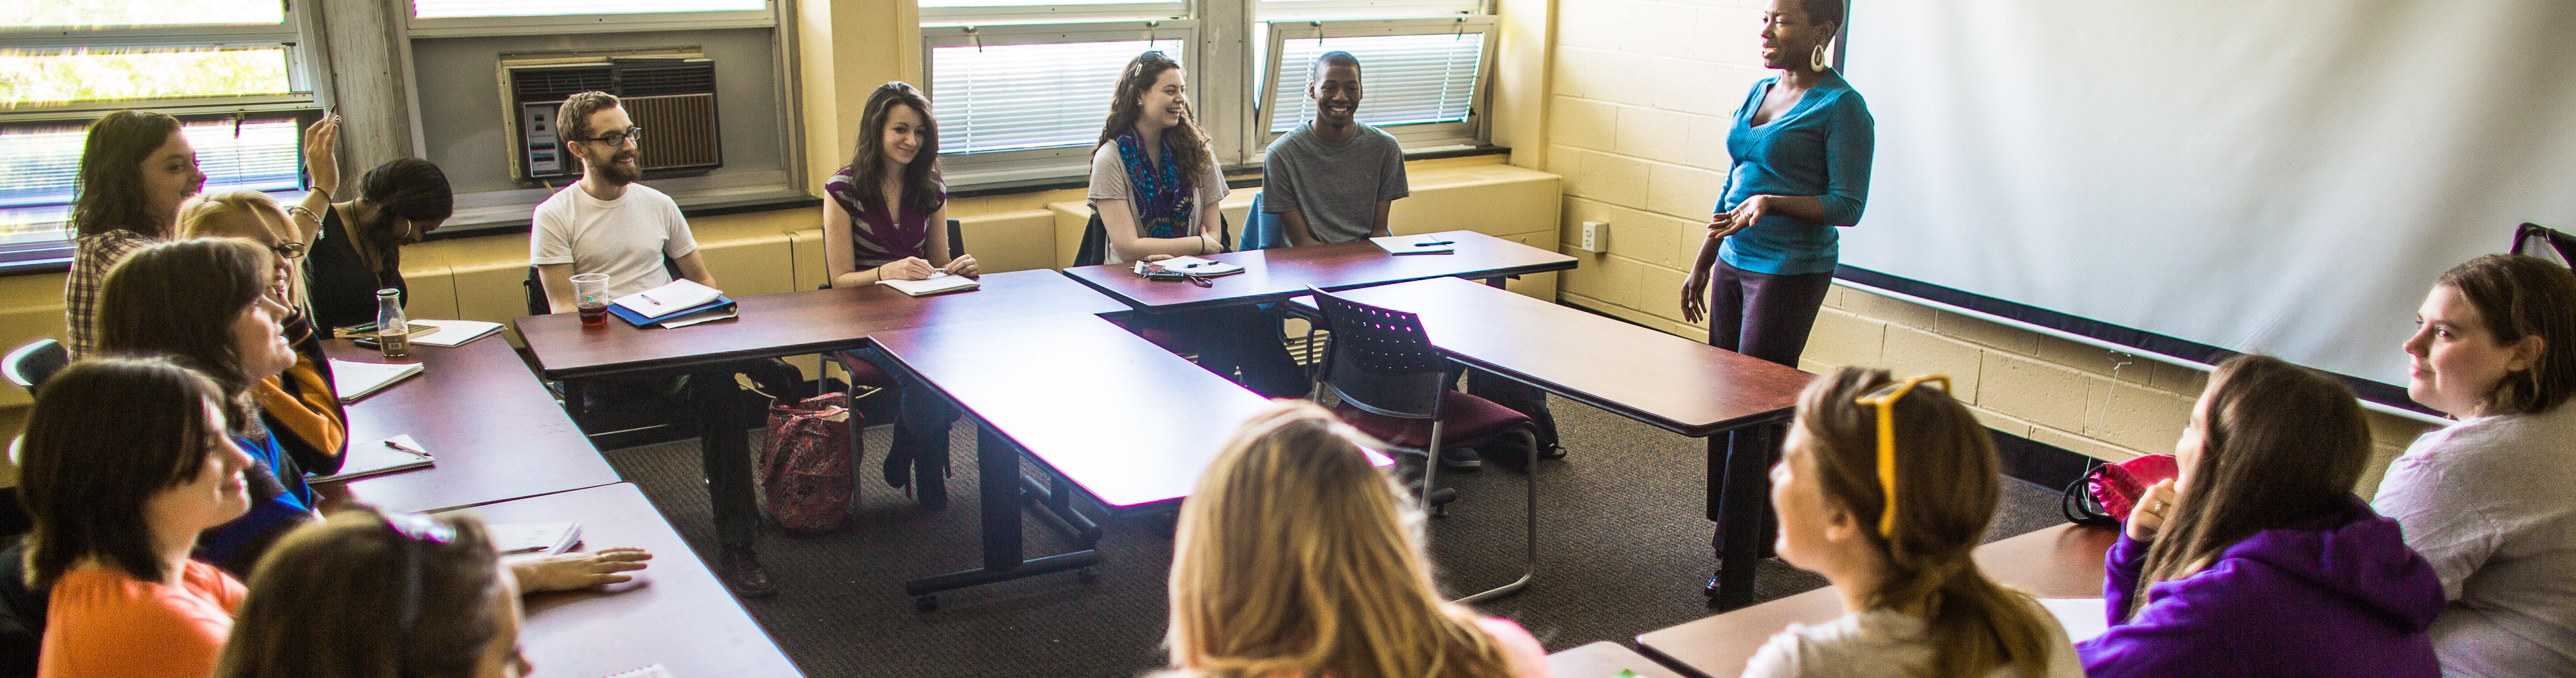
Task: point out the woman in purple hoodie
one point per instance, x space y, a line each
2258 560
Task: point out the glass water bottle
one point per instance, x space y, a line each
393 331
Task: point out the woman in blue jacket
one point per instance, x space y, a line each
1801 149
2258 560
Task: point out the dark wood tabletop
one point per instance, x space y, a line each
2058 562
1604 659
1125 420
1279 273
794 323
496 431
1674 383
675 614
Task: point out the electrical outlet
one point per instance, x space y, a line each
1596 237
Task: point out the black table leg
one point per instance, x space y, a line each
997 465
1738 469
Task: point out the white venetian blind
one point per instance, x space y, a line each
1405 79
453 9
37 165
1023 97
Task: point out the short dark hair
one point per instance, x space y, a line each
326 601
180 299
1315 70
2521 296
1823 11
572 119
107 193
106 434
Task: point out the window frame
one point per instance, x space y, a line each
480 27
954 17
292 34
1469 132
998 167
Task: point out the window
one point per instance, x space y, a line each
233 72
39 161
447 9
489 18
1021 88
1025 102
1420 76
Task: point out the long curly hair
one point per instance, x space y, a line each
1188 142
920 178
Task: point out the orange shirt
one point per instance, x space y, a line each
104 622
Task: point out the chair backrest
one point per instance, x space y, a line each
538 304
1094 249
956 240
1262 230
2546 243
1380 360
32 364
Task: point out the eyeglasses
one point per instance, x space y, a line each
289 251
1884 398
416 529
618 138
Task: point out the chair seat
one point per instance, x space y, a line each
1465 418
862 372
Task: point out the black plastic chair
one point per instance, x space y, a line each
32 364
2546 243
1395 386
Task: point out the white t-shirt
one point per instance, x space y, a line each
626 238
2487 502
1881 644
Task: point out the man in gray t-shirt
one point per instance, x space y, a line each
1333 178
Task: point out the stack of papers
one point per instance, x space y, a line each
681 295
2083 618
450 332
538 538
937 283
1204 268
380 456
1416 244
354 380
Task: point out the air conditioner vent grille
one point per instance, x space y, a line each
659 80
557 84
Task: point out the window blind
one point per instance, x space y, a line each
1023 97
452 9
1405 79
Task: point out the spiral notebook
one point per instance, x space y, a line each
937 283
354 380
377 457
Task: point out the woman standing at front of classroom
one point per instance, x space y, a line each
1801 148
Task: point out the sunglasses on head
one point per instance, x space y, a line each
1884 398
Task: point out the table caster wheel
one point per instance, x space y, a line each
1085 575
925 604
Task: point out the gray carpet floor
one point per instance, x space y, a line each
1624 550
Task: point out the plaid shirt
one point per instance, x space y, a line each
92 257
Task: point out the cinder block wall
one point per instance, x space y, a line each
1641 99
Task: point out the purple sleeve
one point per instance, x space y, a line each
2192 630
2120 575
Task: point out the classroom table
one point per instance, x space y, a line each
779 325
2057 562
1106 413
675 614
1735 402
1278 273
1604 659
495 430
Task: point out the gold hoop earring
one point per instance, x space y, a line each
1816 60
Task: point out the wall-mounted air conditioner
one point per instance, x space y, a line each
670 93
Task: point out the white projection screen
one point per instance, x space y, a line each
2276 176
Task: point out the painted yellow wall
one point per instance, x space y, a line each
1637 115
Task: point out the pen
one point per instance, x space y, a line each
406 448
648 298
1428 243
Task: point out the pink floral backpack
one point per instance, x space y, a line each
806 459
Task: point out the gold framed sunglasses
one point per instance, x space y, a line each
1884 398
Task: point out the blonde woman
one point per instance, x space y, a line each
1294 557
252 215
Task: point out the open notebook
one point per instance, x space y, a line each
380 456
537 538
355 379
1416 244
451 332
1206 268
937 283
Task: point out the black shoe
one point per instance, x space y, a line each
741 572
1711 589
898 466
1460 458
